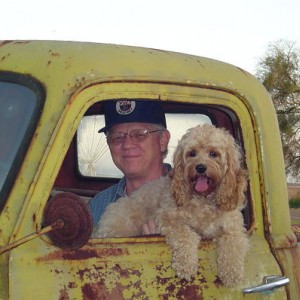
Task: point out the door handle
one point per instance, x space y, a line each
269 283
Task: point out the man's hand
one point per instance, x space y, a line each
149 228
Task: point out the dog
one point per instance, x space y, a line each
201 198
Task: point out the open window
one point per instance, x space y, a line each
88 168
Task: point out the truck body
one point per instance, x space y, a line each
51 108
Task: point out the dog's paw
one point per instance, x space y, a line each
231 276
185 267
230 280
231 253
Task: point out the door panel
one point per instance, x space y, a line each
132 268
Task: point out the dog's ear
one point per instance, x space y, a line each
234 183
179 187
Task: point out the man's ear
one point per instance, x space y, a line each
164 140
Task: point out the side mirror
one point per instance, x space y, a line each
66 220
73 212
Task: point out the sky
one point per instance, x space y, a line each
235 31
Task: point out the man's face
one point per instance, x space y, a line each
137 158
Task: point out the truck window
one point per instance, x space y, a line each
19 105
94 159
88 167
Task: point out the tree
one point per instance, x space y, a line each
279 71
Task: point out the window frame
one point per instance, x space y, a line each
39 90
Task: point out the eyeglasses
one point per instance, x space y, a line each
137 136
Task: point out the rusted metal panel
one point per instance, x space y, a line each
132 268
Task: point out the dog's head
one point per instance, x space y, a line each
207 163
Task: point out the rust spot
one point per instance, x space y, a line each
78 255
171 288
81 254
111 252
181 289
72 285
81 273
189 292
54 54
99 291
296 230
64 294
218 282
2 43
126 272
292 239
4 57
163 281
287 241
99 274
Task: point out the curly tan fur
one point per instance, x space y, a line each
201 198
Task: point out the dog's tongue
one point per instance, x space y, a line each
201 184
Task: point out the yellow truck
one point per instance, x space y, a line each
53 161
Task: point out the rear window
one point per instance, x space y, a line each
19 110
94 159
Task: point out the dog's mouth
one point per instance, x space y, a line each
203 184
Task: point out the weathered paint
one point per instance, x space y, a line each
76 75
290 257
120 269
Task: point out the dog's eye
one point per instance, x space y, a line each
192 153
213 154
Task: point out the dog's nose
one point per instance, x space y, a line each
201 168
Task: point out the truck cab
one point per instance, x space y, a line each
53 161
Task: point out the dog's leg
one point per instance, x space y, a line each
184 243
231 251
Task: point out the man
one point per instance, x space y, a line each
138 141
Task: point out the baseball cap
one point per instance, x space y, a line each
132 111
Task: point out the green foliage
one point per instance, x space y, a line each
279 72
294 203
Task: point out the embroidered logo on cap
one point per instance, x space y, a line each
125 107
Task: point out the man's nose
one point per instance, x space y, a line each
127 141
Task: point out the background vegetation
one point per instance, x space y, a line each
279 71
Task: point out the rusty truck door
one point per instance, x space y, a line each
131 268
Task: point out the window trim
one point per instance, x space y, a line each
39 90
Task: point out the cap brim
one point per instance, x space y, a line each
102 130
